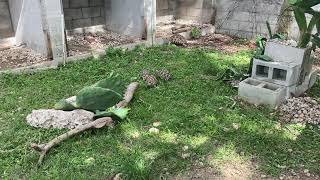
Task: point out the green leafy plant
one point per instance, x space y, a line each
113 111
195 33
274 36
261 45
100 96
300 9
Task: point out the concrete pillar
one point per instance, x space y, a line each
27 23
53 23
150 19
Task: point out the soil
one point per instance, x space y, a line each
83 43
164 28
16 57
222 43
235 170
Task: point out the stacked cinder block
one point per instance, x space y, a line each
289 74
84 13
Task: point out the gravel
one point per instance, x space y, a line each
289 42
300 110
19 57
83 43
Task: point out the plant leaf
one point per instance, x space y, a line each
269 30
119 112
300 18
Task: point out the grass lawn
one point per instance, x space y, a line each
194 111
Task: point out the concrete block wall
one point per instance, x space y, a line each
126 16
245 18
83 13
166 10
6 29
202 11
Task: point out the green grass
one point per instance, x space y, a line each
193 108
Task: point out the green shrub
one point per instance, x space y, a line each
195 33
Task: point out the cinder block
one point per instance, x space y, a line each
283 53
70 14
281 73
96 2
79 3
82 23
98 21
91 12
260 92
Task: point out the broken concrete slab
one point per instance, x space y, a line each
51 118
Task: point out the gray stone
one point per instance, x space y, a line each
50 118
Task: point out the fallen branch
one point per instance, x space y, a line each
128 95
99 123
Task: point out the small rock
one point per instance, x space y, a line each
236 126
156 124
135 135
185 155
185 148
154 130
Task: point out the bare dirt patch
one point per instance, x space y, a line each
16 57
222 43
227 170
83 43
